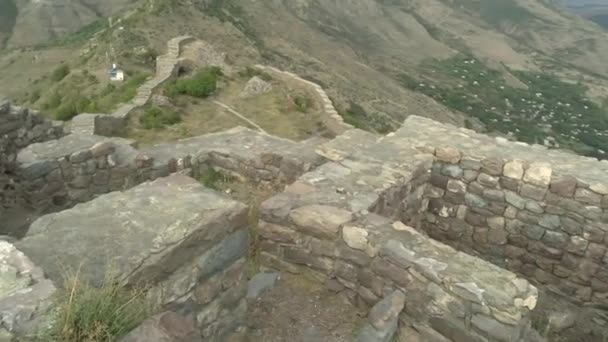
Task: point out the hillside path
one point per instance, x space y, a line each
240 116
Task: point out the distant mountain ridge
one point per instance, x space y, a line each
29 22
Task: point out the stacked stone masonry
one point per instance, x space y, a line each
19 127
192 258
76 168
356 212
339 220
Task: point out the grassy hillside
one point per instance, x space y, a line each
372 56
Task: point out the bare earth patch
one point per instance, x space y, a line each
302 309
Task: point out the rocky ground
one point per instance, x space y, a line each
300 309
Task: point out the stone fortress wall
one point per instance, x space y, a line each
332 120
19 127
449 229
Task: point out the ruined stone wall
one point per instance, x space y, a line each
19 127
448 293
77 167
521 216
538 212
331 119
339 221
191 258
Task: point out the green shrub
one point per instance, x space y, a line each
87 313
69 108
201 85
35 95
250 72
60 73
156 118
302 103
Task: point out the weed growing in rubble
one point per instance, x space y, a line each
105 313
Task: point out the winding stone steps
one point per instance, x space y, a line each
165 67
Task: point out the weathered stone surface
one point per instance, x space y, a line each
381 315
25 294
94 235
587 196
515 200
165 327
487 180
539 174
447 154
456 186
564 186
355 237
514 169
260 283
533 192
492 327
320 220
492 166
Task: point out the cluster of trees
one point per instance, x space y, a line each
548 108
201 85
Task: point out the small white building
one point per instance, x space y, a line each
116 74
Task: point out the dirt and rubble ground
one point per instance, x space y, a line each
301 309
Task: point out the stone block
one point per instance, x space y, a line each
277 233
563 186
515 200
320 221
453 171
355 237
165 327
303 257
98 234
538 174
487 180
514 169
492 166
533 192
456 186
388 270
447 154
509 184
587 196
386 310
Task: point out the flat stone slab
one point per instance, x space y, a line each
354 185
143 233
55 149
